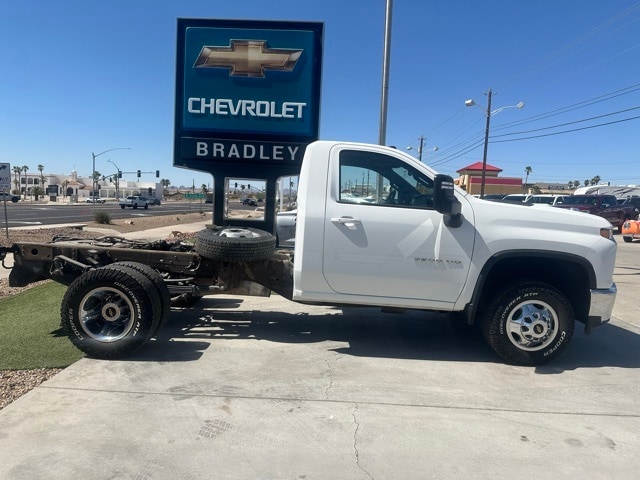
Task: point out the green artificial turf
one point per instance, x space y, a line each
30 333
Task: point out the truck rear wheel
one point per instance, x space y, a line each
158 283
529 323
235 244
110 312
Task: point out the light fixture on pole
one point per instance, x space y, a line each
488 113
93 170
421 148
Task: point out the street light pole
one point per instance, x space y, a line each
93 171
488 113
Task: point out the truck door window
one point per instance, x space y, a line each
369 178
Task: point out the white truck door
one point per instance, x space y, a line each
382 236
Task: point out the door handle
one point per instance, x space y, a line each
348 221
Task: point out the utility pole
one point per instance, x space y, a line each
486 144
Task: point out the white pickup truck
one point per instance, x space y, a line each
375 227
134 201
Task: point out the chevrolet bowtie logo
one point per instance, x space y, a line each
248 58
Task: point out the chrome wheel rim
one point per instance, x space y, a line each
106 315
532 325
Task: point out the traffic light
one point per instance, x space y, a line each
236 184
149 191
119 173
249 186
138 173
157 173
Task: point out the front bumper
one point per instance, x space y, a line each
601 307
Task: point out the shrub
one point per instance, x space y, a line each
102 217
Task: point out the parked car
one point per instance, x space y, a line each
630 230
605 206
9 197
492 196
516 198
631 202
548 199
91 199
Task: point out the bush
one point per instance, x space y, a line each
102 218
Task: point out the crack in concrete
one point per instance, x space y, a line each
328 387
355 442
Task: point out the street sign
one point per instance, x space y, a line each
5 177
194 195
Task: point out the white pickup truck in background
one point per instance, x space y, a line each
374 227
134 201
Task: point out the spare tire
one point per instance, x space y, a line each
235 244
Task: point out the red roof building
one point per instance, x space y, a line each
471 180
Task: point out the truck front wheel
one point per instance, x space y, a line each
529 323
110 312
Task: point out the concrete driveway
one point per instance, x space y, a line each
256 388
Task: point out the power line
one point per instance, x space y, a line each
567 123
567 131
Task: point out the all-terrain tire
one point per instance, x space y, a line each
235 244
110 312
529 323
158 283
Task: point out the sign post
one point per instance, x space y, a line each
5 187
247 100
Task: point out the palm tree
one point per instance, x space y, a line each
586 183
570 185
25 169
165 182
527 170
18 174
576 183
42 180
595 180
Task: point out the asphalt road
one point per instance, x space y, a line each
25 214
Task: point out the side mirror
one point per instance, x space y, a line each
445 201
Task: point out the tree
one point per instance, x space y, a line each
570 185
586 183
96 179
595 180
25 169
165 182
65 184
17 171
42 180
204 189
576 183
527 170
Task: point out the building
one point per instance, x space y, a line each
471 180
72 188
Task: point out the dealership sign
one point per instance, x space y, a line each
246 91
5 177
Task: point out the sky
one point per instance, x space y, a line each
81 76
